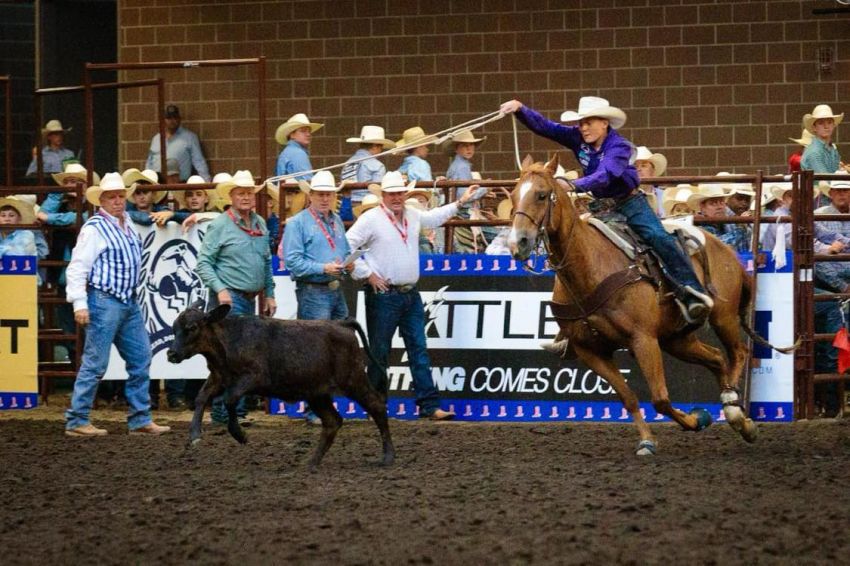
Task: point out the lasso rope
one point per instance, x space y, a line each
441 136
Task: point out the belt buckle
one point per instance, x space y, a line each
405 288
333 285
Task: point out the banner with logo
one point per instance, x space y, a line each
486 318
18 332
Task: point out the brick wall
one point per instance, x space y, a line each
17 59
715 85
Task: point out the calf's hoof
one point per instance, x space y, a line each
193 442
646 448
389 460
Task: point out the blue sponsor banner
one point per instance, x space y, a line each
12 401
765 411
506 410
18 265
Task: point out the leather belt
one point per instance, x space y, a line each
400 289
332 285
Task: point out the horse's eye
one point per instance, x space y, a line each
541 196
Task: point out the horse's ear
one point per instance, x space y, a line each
552 164
526 163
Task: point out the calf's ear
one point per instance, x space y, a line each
217 313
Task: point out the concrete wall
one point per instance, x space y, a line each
715 85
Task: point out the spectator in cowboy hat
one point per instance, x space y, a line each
740 197
369 201
821 156
103 276
462 145
54 152
234 263
608 173
295 135
650 164
391 270
180 144
142 202
372 141
430 239
794 159
417 144
675 200
710 202
838 192
53 210
314 247
13 210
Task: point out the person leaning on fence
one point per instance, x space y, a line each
371 141
295 135
650 164
417 144
103 276
429 238
314 247
709 202
234 263
15 210
675 200
606 158
391 269
143 204
54 153
181 144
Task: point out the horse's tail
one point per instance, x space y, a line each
748 302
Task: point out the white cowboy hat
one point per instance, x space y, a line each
414 203
594 106
180 196
414 137
825 186
53 126
706 191
110 182
222 178
296 121
821 111
777 191
374 135
745 189
133 175
24 209
322 181
75 171
676 195
427 193
805 138
369 201
461 136
242 178
393 182
659 162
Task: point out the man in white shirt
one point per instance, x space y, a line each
102 279
391 266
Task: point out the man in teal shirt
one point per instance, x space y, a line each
235 262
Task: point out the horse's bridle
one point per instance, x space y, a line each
542 230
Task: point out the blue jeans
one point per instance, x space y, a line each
239 306
113 322
384 313
642 219
827 321
317 302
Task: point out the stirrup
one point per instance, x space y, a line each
693 313
558 348
704 298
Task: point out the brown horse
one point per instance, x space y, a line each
636 315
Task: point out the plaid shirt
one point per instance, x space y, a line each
738 236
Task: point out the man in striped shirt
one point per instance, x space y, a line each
102 278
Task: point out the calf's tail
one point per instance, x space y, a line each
355 326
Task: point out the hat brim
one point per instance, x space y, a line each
801 141
361 208
45 131
659 163
24 210
449 144
695 199
809 121
157 196
387 144
426 140
282 133
223 189
93 194
399 188
616 117
61 177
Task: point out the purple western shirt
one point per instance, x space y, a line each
608 171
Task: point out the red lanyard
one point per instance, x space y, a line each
250 231
321 224
402 233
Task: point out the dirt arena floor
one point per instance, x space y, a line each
458 494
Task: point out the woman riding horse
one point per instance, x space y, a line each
606 158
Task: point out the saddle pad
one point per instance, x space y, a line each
669 225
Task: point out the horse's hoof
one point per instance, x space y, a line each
193 443
703 417
388 460
750 432
646 448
